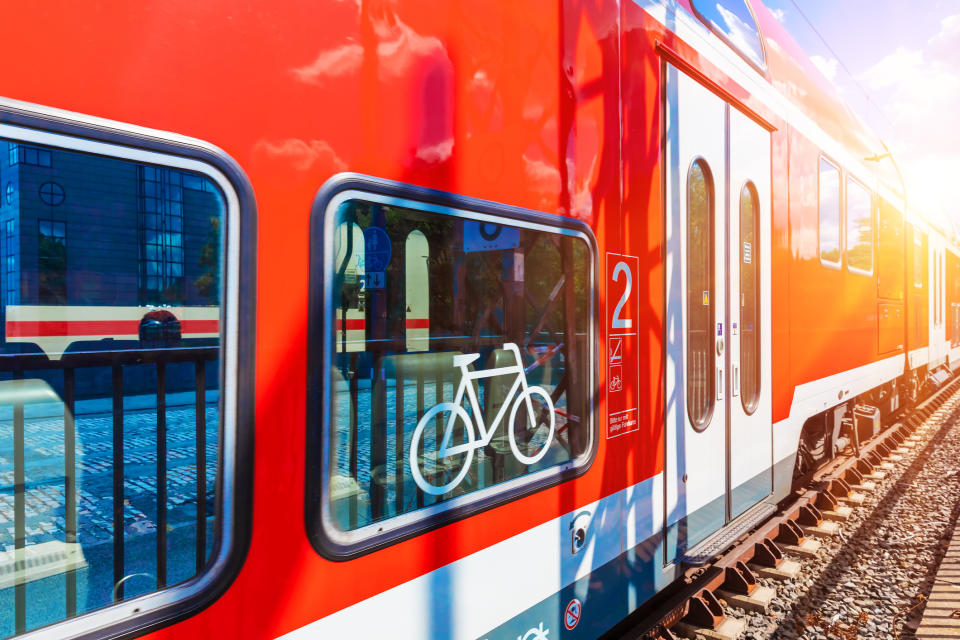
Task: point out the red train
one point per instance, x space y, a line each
525 306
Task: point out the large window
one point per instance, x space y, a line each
701 295
11 277
919 258
749 298
734 22
110 437
29 155
859 228
829 213
52 261
458 349
161 235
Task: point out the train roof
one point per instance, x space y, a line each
792 73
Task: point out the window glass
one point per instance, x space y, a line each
700 294
919 258
829 213
891 262
859 227
749 298
109 388
734 21
460 359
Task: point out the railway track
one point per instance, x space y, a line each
849 557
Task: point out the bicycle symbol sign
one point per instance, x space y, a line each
520 396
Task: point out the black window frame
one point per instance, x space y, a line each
320 345
165 607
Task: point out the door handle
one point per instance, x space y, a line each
736 381
719 384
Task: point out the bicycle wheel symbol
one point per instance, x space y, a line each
455 465
529 412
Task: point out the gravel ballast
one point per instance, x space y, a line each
871 580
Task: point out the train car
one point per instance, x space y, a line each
501 316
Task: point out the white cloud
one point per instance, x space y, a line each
436 153
918 91
779 14
827 66
399 48
301 154
341 61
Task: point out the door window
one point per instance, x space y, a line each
701 298
749 298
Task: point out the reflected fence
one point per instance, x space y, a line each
79 546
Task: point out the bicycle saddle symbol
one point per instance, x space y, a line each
519 396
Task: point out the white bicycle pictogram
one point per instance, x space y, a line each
456 410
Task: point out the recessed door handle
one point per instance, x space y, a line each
719 384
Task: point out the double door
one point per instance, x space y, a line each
718 458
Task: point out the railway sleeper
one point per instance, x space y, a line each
790 535
741 589
768 561
705 618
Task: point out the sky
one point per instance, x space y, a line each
898 65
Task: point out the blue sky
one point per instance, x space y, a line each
898 65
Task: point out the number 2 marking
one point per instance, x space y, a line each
618 322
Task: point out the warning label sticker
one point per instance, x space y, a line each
623 343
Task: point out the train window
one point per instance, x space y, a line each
749 298
919 258
701 296
733 21
112 393
458 345
891 263
859 228
829 213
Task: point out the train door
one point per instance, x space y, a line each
937 325
717 372
748 280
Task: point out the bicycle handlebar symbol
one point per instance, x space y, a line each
456 410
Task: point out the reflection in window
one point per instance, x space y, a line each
749 298
52 194
735 22
34 156
829 213
124 387
859 227
701 296
11 279
424 304
161 236
52 262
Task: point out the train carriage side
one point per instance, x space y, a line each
545 295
